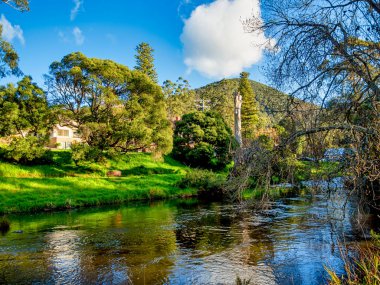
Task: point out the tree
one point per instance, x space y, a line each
328 53
250 113
21 5
145 61
179 97
24 110
203 139
113 106
8 56
218 96
26 120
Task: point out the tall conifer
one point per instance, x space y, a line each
250 108
145 61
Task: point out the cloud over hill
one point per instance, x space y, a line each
214 39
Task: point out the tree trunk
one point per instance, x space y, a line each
238 103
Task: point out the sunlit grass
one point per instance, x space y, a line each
63 185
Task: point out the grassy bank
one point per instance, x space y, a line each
65 185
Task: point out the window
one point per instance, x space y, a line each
63 133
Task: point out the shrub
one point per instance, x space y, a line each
208 183
203 139
84 154
202 155
29 151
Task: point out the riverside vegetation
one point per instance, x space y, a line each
117 111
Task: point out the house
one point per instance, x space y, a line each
62 137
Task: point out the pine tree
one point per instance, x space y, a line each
145 61
250 113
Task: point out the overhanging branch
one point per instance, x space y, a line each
325 129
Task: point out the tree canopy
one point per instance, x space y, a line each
250 113
111 105
8 56
24 110
145 61
26 122
179 97
203 139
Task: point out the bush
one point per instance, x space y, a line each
84 154
29 151
203 139
209 184
202 155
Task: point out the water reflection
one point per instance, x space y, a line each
177 243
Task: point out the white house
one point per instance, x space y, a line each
62 137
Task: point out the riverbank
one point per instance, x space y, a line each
64 185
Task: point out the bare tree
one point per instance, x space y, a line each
327 53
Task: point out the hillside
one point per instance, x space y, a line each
218 96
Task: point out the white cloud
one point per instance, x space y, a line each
78 36
75 9
11 32
215 43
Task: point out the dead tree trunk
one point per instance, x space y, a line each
238 103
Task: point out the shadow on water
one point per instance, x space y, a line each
178 242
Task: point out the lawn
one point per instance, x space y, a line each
63 185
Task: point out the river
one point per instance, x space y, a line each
179 242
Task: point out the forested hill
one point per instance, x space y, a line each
219 96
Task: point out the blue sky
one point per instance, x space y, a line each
112 30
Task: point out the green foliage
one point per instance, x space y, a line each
203 140
218 96
113 106
266 142
25 114
8 56
208 183
250 113
179 98
145 61
28 150
84 154
24 110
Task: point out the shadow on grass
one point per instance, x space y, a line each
32 194
143 170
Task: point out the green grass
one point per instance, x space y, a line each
305 170
129 164
64 185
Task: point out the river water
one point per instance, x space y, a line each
179 242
